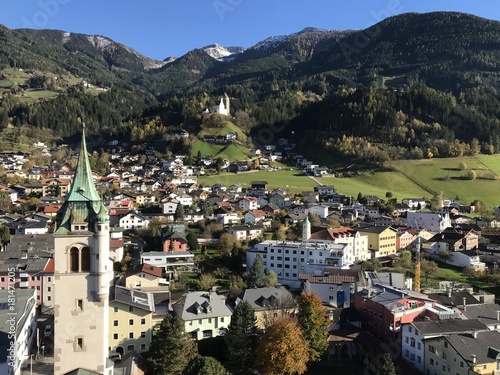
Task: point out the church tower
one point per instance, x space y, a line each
226 99
83 272
306 229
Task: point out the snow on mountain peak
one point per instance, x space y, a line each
221 53
99 41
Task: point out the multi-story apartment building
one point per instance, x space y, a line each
414 336
130 320
432 221
473 352
288 259
56 187
381 240
334 248
384 310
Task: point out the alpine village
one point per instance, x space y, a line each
323 202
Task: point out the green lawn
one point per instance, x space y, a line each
292 181
230 151
228 128
445 273
405 178
376 183
444 175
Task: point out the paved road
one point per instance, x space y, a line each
42 363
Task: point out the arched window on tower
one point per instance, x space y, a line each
85 259
73 259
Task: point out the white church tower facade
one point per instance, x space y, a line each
83 272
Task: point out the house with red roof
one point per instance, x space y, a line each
143 276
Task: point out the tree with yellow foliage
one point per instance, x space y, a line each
282 350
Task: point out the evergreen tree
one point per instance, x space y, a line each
171 349
314 323
257 274
4 235
179 212
192 241
241 338
282 349
205 366
387 365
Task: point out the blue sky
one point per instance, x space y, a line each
163 28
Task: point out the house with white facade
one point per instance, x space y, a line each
414 203
333 286
17 329
288 259
414 336
254 216
170 207
321 210
248 203
205 314
133 220
173 262
432 221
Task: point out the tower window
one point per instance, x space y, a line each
85 259
73 259
79 344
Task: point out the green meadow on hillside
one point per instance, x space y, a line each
446 176
229 127
229 151
292 181
406 178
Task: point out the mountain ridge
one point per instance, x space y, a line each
413 45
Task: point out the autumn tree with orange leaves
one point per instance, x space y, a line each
282 350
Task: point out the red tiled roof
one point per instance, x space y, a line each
115 243
146 268
49 267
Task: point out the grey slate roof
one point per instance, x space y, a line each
41 245
456 299
467 345
441 327
132 297
486 313
30 265
25 300
201 305
265 298
396 280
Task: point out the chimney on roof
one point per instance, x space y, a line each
465 304
474 333
449 291
498 316
474 358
